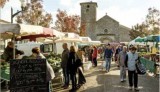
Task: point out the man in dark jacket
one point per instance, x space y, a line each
8 55
65 56
118 50
107 56
8 52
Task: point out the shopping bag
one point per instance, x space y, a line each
140 68
104 64
89 65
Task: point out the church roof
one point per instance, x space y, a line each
107 17
124 33
124 27
89 3
122 30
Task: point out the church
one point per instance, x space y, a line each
106 29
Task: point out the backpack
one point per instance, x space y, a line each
140 67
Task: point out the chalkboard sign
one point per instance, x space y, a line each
28 75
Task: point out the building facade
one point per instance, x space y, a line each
106 29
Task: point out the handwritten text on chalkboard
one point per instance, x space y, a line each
28 75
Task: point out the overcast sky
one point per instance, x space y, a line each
127 12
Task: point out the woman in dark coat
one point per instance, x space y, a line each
90 54
72 68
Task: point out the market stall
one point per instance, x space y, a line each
150 58
9 30
70 39
21 32
84 41
95 42
88 41
137 41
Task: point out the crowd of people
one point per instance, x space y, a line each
72 65
72 62
126 59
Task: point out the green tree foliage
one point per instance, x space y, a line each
34 14
67 23
138 30
151 25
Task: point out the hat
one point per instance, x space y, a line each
133 48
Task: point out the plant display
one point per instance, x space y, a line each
55 61
4 65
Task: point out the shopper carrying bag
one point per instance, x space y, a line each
140 67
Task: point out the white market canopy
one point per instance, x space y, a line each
7 30
85 39
26 31
95 42
69 37
51 39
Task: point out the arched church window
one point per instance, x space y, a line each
105 30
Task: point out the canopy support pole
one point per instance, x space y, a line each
54 46
14 46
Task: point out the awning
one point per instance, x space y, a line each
46 32
85 39
69 37
95 42
68 40
139 39
153 38
30 32
7 30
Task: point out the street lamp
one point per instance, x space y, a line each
22 9
12 16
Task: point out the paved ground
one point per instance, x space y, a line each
100 81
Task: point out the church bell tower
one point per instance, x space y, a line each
88 18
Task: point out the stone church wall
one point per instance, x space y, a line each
90 30
124 34
106 26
